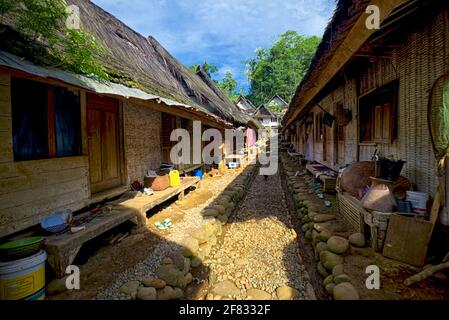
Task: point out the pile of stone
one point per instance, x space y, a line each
173 275
331 240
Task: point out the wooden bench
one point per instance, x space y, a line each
62 249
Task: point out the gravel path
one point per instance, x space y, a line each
167 244
260 249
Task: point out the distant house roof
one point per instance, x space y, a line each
244 104
276 99
263 112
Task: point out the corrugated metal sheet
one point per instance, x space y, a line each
100 87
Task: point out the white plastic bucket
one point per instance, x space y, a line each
24 278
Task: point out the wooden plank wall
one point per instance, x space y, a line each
31 189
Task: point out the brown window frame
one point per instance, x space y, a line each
51 133
378 115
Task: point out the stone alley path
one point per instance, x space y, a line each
259 256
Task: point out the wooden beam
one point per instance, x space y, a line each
358 35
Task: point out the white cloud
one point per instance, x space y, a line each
223 32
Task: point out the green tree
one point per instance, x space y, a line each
229 85
209 69
281 68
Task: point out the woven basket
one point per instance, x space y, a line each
351 212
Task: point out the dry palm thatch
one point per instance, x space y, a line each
140 61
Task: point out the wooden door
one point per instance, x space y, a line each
168 125
103 143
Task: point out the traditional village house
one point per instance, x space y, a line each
69 141
368 93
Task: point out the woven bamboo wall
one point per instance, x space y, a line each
419 62
142 132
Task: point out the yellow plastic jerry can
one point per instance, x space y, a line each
175 179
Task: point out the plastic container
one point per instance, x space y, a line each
23 279
175 178
21 248
418 200
198 173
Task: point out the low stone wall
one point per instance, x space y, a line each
329 238
174 275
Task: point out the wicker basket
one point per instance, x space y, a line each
351 212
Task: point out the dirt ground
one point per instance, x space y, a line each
105 261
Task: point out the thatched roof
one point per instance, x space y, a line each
345 15
136 61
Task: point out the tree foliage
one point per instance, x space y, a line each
209 69
229 85
280 69
45 21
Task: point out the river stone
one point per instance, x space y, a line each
205 249
225 289
186 267
154 282
224 200
330 288
320 246
145 293
337 244
257 294
305 227
357 240
324 236
56 286
287 293
190 246
338 269
330 260
199 234
210 212
329 279
220 208
308 235
130 288
178 260
345 291
195 261
178 293
323 218
341 278
167 293
188 278
167 260
210 227
322 270
170 274
223 219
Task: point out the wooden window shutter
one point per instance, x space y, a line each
386 123
378 123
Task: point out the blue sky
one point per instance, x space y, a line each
223 32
